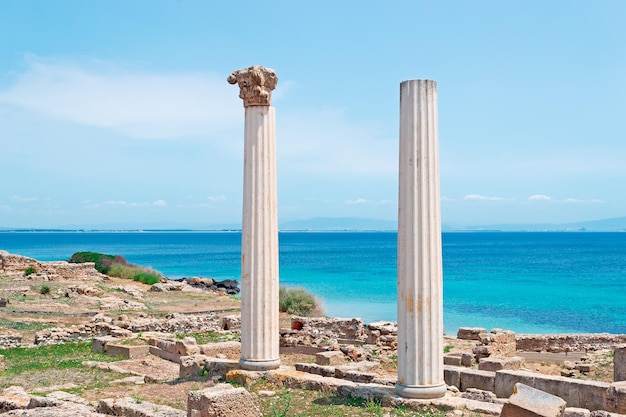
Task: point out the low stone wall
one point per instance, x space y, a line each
10 340
103 325
568 342
14 266
323 332
383 334
498 342
591 395
339 328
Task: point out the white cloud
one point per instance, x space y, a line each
215 198
540 197
357 201
478 197
129 102
4 207
579 201
20 199
123 203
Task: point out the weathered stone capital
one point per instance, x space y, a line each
256 84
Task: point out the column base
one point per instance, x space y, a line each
259 364
424 392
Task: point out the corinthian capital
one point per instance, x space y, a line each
256 84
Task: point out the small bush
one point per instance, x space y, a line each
44 290
297 301
149 278
117 266
103 262
30 270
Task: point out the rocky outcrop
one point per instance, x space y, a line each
228 286
24 268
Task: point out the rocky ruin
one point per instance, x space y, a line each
27 269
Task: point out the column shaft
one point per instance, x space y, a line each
420 296
259 258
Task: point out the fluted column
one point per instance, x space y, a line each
259 245
420 295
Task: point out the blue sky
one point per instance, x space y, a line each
119 112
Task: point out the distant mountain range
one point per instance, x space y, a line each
617 224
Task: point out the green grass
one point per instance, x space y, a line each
305 403
45 366
297 301
23 325
209 337
63 356
30 270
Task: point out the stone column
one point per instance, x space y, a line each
420 303
259 244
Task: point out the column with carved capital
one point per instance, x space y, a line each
420 282
259 245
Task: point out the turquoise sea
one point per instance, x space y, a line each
526 282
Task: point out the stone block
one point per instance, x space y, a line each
506 380
576 412
562 387
470 333
163 344
224 350
467 359
359 377
13 398
495 363
333 357
98 344
222 400
164 354
2 363
619 362
373 337
452 376
187 346
616 397
191 366
530 402
584 368
452 359
127 352
473 378
129 407
592 394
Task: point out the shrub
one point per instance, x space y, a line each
103 262
30 270
149 278
44 290
298 301
117 266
